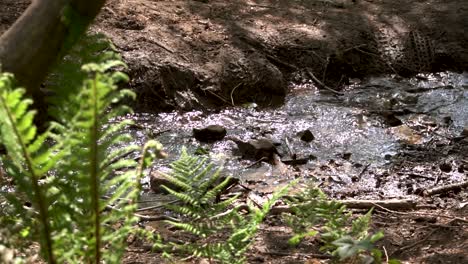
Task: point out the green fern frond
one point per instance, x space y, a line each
26 156
65 174
183 197
176 180
212 193
203 217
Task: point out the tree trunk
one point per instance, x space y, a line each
43 34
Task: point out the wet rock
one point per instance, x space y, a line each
210 133
391 120
157 180
346 156
306 135
447 120
256 149
298 160
464 133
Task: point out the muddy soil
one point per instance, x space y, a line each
186 55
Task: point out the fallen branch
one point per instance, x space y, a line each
159 206
405 204
321 84
156 218
282 63
302 255
395 204
424 214
446 188
218 96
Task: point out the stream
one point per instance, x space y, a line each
358 136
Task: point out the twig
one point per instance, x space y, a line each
386 254
396 204
262 6
155 206
379 57
156 218
321 84
354 47
146 217
325 70
419 214
359 204
288 146
253 201
364 170
218 96
403 204
446 188
287 65
151 40
414 175
237 208
232 93
255 163
279 253
415 243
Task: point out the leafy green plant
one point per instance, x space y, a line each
314 214
196 184
67 195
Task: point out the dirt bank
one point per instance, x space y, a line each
186 54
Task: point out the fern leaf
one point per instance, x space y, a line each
17 131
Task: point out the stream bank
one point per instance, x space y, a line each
186 55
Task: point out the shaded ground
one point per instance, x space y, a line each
187 53
201 54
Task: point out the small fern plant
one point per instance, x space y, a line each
81 210
196 185
314 214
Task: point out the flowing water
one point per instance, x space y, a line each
352 124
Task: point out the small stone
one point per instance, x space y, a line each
346 156
445 167
306 135
210 133
447 120
391 120
464 133
256 149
